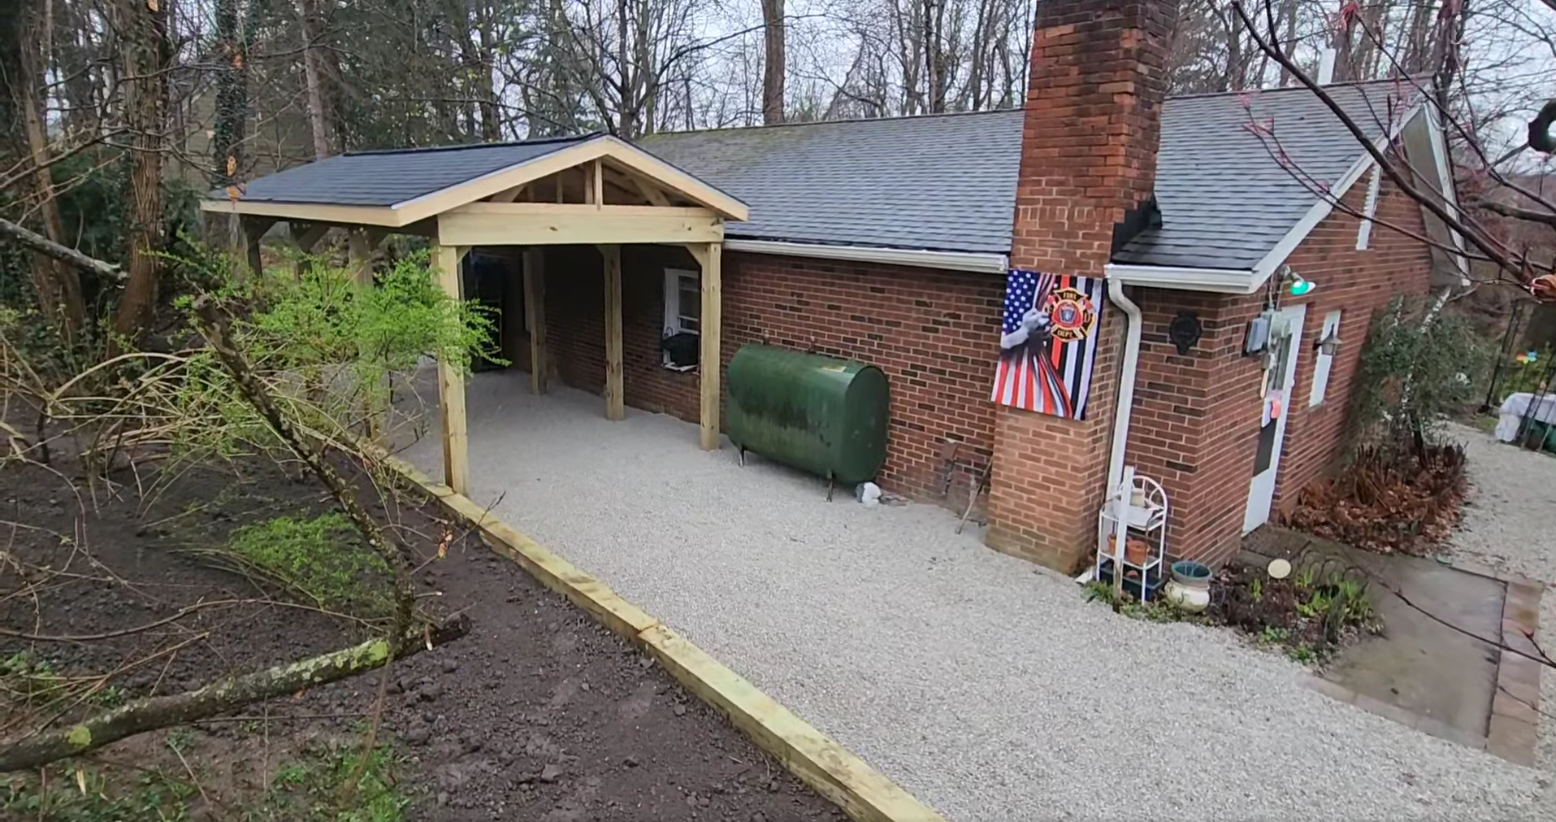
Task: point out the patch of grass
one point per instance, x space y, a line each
1157 610
336 784
65 794
322 560
26 678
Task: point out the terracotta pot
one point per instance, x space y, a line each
1136 551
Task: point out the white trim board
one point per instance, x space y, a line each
951 260
1219 280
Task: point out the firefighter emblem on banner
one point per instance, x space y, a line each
1048 342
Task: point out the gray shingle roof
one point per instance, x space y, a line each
949 182
384 178
946 182
1225 200
943 183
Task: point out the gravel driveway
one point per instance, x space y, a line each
987 688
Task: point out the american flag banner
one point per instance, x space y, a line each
1048 342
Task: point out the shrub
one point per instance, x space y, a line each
1422 364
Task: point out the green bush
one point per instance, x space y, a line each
1421 365
322 560
329 347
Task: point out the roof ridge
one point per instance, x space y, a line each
843 122
1277 89
466 146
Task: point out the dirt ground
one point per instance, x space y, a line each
536 714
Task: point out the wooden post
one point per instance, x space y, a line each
451 385
597 181
615 404
361 242
305 236
535 316
254 228
709 364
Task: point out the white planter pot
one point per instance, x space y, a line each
1189 598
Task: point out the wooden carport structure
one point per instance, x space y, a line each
592 190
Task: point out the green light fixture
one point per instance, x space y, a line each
1295 283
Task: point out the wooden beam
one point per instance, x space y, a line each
510 195
306 213
535 317
569 224
615 403
631 182
451 385
709 364
597 183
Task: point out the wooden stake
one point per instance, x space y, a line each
451 385
615 406
709 364
535 316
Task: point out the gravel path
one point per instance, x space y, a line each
1508 525
988 689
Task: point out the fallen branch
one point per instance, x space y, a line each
155 712
38 242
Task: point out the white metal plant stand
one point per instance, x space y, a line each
1138 509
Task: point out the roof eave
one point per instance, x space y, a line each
1179 278
978 262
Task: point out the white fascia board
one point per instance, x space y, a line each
1321 209
1218 280
1440 159
951 260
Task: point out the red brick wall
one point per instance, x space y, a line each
1195 422
1088 156
934 333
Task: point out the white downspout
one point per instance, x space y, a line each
1126 396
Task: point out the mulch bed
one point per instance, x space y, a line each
537 714
1387 504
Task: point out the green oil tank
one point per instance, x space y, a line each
815 413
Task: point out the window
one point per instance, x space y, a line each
683 318
1364 232
1330 333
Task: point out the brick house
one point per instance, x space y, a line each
887 241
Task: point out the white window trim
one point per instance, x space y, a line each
672 293
1364 231
1324 362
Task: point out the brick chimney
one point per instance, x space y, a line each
1088 158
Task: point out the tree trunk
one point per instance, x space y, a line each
58 286
773 64
144 44
155 712
1288 43
313 78
232 111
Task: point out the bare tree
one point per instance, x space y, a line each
773 64
146 52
